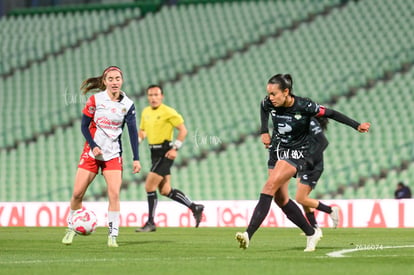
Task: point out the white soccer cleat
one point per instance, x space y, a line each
320 231
68 239
335 216
112 241
243 239
312 241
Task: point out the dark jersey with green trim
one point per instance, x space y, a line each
291 124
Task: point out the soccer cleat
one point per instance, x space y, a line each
335 216
312 241
68 239
148 227
243 239
320 231
112 241
198 213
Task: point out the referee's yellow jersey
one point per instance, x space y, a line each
159 124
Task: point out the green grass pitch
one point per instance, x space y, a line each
210 251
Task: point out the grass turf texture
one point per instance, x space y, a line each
205 251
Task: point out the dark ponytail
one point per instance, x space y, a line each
323 121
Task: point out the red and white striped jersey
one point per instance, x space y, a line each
108 119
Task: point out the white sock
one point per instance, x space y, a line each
69 218
113 223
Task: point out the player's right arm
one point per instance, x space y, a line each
264 123
88 114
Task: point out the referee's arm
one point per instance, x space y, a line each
182 132
141 135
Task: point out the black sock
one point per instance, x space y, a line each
259 213
324 208
152 204
311 218
180 197
294 214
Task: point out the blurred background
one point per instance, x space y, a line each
213 59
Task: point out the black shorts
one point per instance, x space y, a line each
161 165
309 168
312 172
295 157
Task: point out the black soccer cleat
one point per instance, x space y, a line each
148 227
198 213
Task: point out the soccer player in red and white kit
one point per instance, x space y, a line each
103 120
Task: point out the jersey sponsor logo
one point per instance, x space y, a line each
106 123
113 110
284 128
298 116
287 118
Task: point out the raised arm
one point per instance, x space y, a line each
340 117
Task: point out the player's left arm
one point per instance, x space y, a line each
131 121
340 117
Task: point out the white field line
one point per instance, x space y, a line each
341 253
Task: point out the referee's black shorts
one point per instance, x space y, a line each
161 165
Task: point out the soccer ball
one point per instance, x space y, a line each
84 221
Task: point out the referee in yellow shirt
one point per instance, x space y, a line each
157 125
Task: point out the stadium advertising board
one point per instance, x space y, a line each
387 213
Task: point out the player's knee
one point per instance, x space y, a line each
165 191
77 197
271 186
300 198
150 187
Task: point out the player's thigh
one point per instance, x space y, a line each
113 179
82 180
281 174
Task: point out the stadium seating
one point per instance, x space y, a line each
31 38
328 55
152 41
